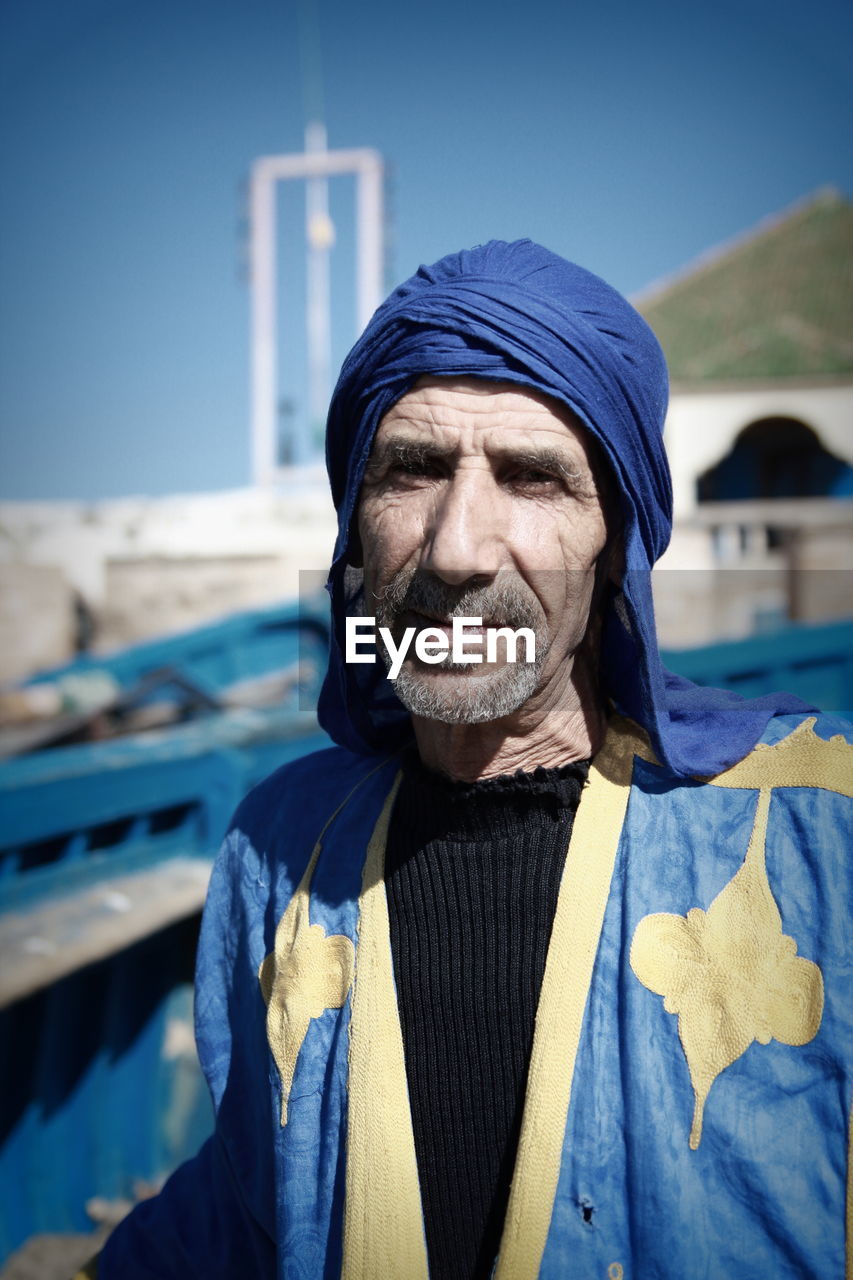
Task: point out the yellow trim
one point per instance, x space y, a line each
383 1219
584 890
306 972
89 1271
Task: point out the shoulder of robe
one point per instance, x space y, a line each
317 783
813 751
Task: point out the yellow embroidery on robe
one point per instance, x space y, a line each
800 760
730 973
383 1217
305 974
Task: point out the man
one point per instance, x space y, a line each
469 1004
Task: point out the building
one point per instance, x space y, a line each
759 339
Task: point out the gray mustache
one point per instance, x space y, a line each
500 603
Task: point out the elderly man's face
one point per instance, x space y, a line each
480 500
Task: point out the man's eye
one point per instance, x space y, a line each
534 478
414 467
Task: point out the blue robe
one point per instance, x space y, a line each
689 1094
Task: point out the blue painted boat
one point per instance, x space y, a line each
105 853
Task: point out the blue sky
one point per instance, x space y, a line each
628 137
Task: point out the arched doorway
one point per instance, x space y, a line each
776 458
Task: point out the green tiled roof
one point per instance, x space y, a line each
776 303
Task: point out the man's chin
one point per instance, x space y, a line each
462 697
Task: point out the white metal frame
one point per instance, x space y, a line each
267 171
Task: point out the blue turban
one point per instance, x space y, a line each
518 313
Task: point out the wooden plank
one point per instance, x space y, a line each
50 941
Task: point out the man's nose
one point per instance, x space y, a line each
463 537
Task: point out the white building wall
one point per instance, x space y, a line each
296 523
151 566
702 426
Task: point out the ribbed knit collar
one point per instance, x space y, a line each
432 806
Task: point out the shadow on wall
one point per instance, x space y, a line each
776 458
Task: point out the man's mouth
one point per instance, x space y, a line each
416 618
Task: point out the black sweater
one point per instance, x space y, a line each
472 871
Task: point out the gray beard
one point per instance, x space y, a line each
471 697
480 698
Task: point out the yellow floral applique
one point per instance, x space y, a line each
800 760
730 973
305 974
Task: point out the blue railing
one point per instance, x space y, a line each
813 661
240 647
73 815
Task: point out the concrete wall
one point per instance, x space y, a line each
148 566
37 620
157 595
735 568
296 522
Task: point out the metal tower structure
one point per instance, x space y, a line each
314 166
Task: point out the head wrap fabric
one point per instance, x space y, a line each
520 314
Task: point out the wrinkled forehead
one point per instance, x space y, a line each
490 416
484 398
